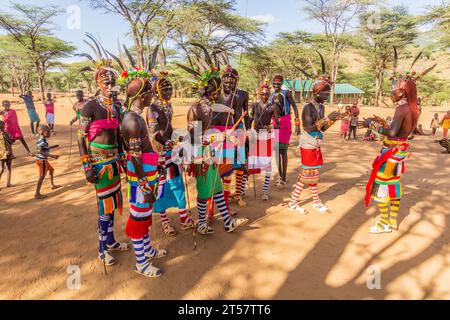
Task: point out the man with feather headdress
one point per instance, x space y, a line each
384 185
205 167
262 114
232 157
101 150
159 121
315 123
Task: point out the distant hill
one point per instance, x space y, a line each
354 61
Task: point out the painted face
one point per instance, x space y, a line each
146 99
265 96
166 93
324 94
106 85
229 84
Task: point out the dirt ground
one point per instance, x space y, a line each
278 255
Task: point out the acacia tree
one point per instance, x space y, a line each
76 79
257 65
440 17
336 18
395 28
31 31
297 50
212 24
16 64
139 14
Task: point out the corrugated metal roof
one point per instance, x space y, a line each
339 88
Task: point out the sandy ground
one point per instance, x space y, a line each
278 255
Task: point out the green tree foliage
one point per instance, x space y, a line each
440 17
17 65
29 27
395 27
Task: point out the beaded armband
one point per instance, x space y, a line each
135 147
144 186
297 122
86 162
324 124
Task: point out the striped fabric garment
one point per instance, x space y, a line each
140 218
295 197
42 148
139 251
201 208
308 176
148 248
224 151
315 193
388 169
244 184
222 206
266 185
135 195
239 177
103 224
260 152
107 186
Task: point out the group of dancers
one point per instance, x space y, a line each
223 136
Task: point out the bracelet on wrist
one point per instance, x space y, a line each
85 159
144 186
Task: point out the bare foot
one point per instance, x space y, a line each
9 185
55 187
39 196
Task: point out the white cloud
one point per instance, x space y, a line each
267 18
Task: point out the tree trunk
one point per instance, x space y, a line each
41 86
377 89
138 46
12 86
332 75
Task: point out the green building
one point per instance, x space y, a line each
344 93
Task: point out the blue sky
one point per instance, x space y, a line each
286 15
